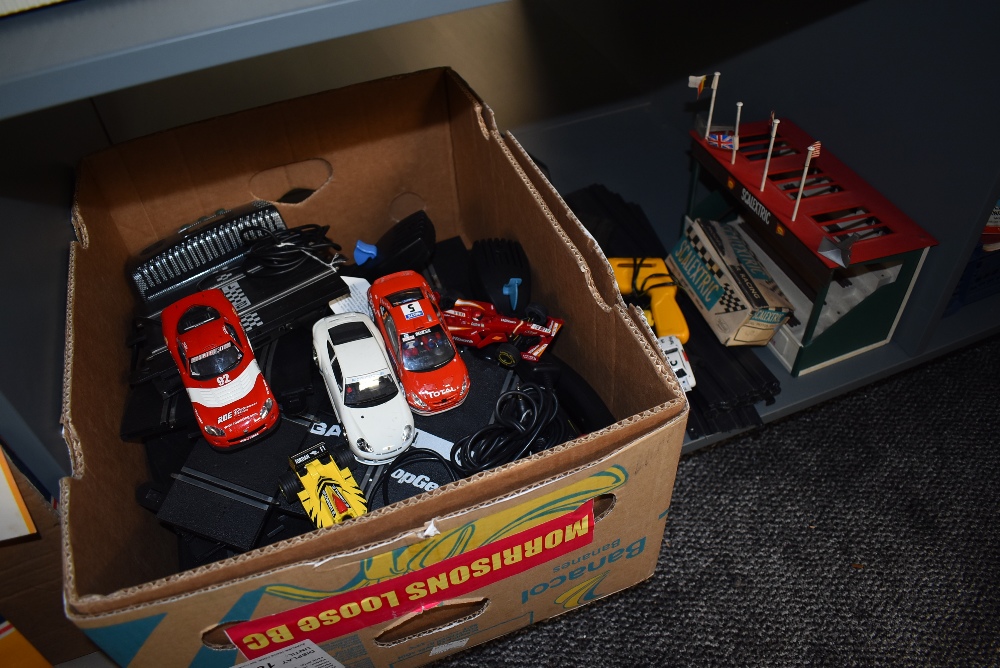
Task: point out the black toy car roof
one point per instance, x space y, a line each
347 332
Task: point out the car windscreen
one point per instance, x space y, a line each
196 316
426 349
369 390
405 296
215 362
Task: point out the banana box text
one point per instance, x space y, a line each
452 577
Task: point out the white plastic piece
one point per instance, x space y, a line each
356 301
430 530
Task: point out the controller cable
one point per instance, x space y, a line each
526 420
408 458
281 251
643 289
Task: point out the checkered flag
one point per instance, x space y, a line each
234 293
730 301
704 254
250 320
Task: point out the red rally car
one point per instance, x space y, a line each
231 400
433 374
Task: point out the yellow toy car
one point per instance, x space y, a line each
324 485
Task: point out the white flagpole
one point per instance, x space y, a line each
736 133
711 105
813 150
770 147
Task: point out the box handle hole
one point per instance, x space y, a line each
603 505
404 204
444 615
303 178
216 638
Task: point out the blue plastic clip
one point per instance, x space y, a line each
511 291
364 252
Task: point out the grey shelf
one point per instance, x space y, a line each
76 50
973 321
963 328
36 193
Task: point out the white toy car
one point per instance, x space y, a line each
673 350
363 387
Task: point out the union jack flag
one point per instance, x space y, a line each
721 140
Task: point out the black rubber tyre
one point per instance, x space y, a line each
536 314
343 457
290 486
507 355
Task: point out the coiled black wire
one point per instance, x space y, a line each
280 251
525 421
411 456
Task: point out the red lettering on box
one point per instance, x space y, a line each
455 576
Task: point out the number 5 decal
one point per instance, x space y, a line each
412 310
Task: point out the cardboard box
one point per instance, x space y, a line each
483 556
728 284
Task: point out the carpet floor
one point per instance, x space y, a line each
864 531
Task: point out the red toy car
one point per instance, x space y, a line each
432 372
478 324
231 400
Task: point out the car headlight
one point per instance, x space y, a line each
268 405
407 433
363 445
465 386
213 430
417 400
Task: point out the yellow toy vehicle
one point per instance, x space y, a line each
647 283
324 485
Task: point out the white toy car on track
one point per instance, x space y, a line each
363 387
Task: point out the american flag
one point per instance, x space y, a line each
814 150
